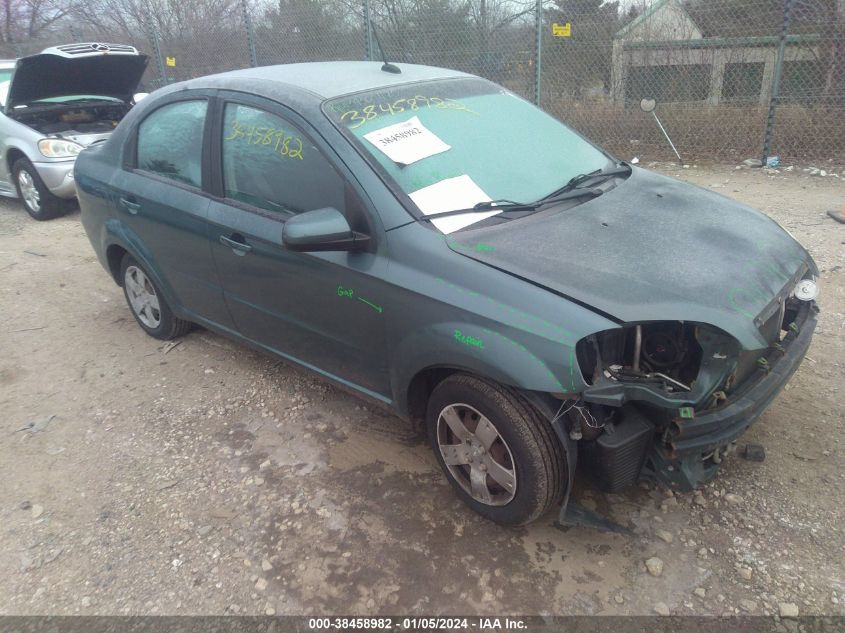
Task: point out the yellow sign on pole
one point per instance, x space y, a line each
170 61
561 30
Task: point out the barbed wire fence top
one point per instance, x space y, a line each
732 79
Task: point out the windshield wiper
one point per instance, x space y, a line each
569 191
509 205
619 169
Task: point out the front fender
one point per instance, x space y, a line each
502 356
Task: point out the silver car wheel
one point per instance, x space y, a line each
29 192
476 454
142 297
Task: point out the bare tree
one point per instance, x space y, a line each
27 20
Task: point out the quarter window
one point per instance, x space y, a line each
270 164
170 141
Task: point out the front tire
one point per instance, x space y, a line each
37 199
147 304
498 453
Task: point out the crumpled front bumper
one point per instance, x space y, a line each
689 451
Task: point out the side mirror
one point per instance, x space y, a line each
648 105
322 230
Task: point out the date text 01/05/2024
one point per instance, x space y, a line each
420 623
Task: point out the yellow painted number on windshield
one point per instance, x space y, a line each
357 118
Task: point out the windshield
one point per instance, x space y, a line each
463 142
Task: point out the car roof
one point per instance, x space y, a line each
333 79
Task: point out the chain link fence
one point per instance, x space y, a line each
732 79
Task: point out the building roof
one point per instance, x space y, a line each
645 15
725 42
332 79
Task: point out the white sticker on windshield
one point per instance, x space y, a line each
453 193
406 143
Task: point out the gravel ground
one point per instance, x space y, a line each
205 478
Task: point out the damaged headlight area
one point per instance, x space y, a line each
668 400
667 364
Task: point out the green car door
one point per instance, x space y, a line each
164 210
322 309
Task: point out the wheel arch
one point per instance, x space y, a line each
13 155
114 256
119 241
421 360
419 390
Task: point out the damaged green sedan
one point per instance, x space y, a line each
433 242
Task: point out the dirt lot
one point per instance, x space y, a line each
207 479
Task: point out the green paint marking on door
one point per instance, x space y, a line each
372 305
348 292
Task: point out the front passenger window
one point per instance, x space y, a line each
170 141
271 164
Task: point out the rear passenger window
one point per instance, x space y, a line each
269 163
170 141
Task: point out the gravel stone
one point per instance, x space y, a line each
654 566
661 609
748 605
665 536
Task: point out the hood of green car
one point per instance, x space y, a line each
653 249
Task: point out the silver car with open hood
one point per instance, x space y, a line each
56 103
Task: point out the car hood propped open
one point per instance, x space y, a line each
653 249
46 75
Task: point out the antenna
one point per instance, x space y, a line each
386 66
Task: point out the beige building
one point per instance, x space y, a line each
663 54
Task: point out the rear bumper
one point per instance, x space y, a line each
690 449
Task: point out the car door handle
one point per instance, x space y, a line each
236 243
130 205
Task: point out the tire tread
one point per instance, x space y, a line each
552 459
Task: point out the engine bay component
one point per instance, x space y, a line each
806 290
665 355
616 457
72 120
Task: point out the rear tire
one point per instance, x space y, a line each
504 460
36 198
147 304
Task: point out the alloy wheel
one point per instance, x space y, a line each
476 454
29 192
142 297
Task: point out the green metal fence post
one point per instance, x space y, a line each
538 52
368 25
152 34
250 34
776 77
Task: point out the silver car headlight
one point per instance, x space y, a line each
58 148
